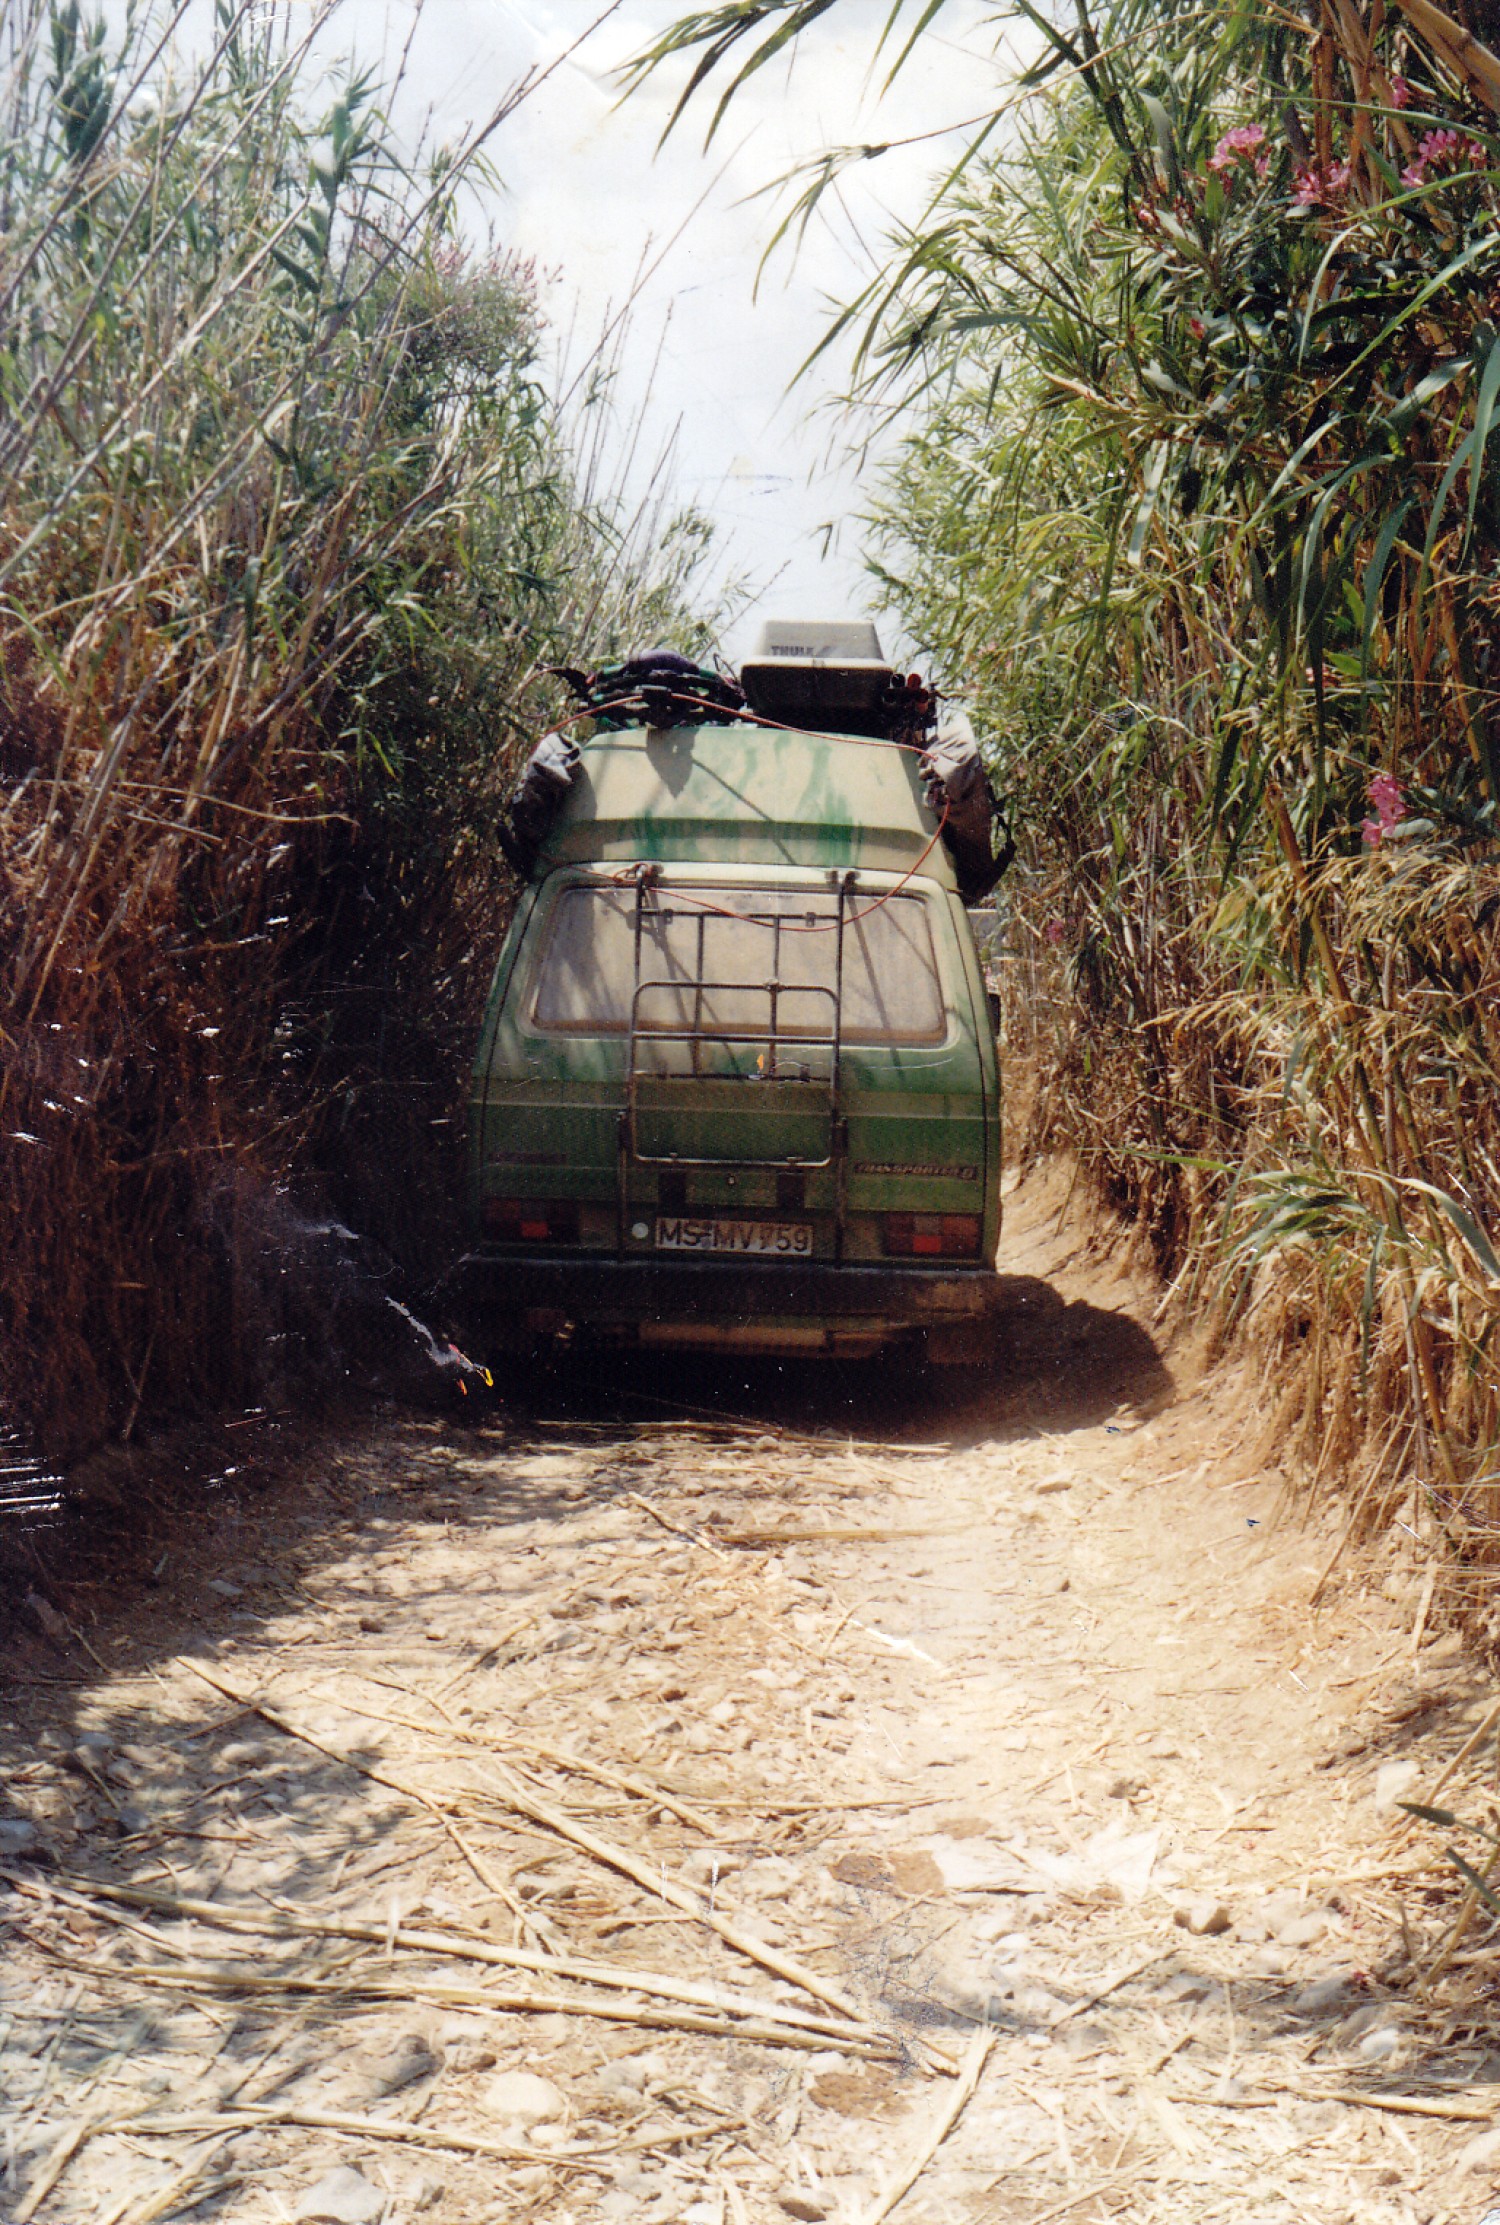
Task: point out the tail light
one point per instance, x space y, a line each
525 1220
932 1235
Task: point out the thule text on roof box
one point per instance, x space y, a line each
822 678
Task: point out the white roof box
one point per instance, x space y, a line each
820 678
832 643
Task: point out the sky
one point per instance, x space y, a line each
709 356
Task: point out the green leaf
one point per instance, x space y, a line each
1375 574
923 23
1484 412
308 280
1151 479
1471 1876
1463 1220
1166 145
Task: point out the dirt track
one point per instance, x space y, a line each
742 1781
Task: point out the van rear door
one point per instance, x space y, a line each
776 1064
923 1119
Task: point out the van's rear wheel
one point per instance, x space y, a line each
521 1350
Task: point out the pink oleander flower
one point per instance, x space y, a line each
1390 809
1400 93
1054 931
1315 187
1442 151
1244 143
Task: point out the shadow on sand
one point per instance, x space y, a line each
1053 1364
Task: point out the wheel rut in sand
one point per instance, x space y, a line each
727 1818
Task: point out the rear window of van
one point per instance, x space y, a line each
708 955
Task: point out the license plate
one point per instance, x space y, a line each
778 1239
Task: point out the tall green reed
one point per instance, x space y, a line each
1194 376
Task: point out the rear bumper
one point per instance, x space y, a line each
607 1289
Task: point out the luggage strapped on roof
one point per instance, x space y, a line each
663 689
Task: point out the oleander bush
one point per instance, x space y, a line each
1193 371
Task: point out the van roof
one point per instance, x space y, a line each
746 795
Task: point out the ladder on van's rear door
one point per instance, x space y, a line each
691 1098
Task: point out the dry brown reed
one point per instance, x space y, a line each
290 528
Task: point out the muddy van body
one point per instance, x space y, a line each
737 1083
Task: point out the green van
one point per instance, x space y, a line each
737 1083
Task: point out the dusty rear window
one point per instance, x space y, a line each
708 956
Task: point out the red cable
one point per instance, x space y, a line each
726 713
820 927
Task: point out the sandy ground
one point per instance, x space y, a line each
633 1813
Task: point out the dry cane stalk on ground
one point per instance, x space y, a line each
949 1855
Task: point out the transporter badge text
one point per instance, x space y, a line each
929 1168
